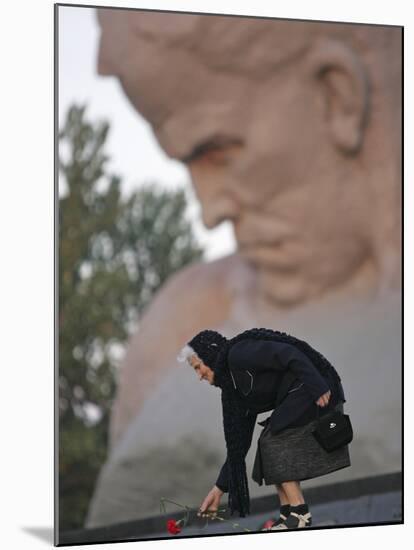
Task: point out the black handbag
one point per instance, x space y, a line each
333 430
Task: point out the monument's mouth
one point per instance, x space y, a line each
282 255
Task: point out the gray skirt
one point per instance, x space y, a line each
293 454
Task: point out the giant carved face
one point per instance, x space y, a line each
269 118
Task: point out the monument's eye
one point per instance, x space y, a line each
217 150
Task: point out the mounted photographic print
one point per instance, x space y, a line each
229 323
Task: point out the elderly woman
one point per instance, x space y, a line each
264 370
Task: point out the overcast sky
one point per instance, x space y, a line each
135 154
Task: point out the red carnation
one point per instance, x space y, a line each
269 523
173 526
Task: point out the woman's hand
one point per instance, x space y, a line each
211 503
324 399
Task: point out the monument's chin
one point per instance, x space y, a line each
283 289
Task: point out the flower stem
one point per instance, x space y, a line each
172 502
234 524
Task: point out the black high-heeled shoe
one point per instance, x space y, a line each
295 520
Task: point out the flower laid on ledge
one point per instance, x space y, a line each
269 523
174 527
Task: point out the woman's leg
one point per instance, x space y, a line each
293 492
282 494
299 515
283 511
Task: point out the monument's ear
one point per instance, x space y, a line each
343 80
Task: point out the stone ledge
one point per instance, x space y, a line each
376 500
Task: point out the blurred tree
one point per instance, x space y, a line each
114 254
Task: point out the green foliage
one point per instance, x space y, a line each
114 254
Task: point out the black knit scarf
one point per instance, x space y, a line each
236 422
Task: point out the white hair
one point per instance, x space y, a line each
185 354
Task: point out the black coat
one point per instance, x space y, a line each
276 376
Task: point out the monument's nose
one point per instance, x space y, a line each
218 212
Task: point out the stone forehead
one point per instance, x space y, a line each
250 42
253 45
166 61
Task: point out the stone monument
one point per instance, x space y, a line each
291 130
